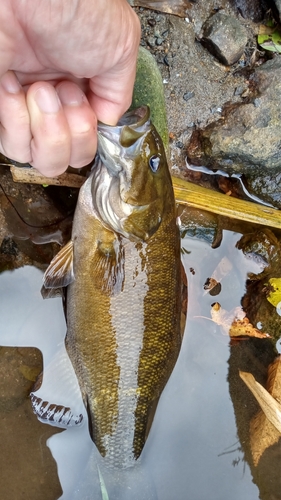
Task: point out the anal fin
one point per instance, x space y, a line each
53 414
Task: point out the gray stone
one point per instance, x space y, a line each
251 9
224 37
248 139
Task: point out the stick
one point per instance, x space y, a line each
32 176
195 196
186 193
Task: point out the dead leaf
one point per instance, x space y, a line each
235 323
274 291
175 7
265 427
266 30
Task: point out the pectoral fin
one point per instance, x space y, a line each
109 271
60 271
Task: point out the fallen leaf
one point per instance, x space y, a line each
271 42
265 427
274 296
235 323
266 30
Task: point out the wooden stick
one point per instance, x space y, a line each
190 194
32 176
186 193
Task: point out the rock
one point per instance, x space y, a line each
251 9
200 225
224 37
276 8
247 139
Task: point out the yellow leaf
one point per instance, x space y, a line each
274 297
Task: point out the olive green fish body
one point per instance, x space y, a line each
123 307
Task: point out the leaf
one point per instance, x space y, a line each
266 30
265 427
235 323
271 42
274 297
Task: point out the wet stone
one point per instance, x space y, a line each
276 8
224 37
200 225
251 9
9 247
247 141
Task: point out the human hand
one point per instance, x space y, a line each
63 66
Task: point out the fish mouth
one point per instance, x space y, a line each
117 144
117 215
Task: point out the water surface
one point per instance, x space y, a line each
193 450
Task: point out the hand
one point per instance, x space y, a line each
63 66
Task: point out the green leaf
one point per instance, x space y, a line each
271 42
274 297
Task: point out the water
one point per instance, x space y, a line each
193 450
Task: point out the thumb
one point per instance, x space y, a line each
111 92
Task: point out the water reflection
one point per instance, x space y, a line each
193 450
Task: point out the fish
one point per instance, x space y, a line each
121 272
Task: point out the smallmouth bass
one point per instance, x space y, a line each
122 273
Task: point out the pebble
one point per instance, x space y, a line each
188 95
159 41
151 41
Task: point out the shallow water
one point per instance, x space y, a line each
193 450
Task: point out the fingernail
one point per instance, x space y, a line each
10 83
47 100
70 94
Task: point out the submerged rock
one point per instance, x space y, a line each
263 248
224 37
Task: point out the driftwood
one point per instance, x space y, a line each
32 176
186 193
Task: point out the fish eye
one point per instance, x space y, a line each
154 162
